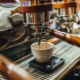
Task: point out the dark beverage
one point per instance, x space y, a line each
39 42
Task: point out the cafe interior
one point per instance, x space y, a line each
39 40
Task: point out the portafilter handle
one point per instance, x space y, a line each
69 38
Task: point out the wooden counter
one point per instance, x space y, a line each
70 53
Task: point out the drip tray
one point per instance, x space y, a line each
49 66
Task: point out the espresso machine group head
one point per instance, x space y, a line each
36 14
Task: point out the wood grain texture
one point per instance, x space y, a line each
35 8
64 5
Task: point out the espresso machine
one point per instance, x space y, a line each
15 42
36 15
36 21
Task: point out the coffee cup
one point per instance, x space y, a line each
42 53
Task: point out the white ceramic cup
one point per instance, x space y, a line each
42 54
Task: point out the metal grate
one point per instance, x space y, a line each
36 73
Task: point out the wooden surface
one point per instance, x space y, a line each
64 5
35 8
71 55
